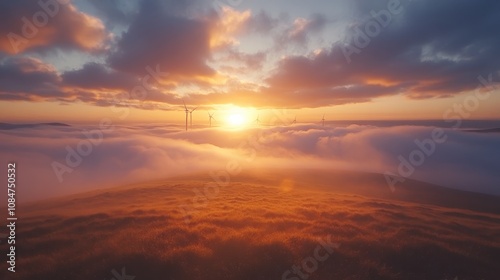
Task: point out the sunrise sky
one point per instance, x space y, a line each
223 139
74 62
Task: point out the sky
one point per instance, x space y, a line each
138 61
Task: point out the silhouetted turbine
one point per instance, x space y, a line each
210 118
191 117
187 112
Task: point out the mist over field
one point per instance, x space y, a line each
86 157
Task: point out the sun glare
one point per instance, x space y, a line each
238 118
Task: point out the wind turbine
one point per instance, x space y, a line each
187 112
191 117
294 120
323 119
257 120
210 118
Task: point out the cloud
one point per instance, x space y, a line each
262 23
302 29
26 78
158 36
465 160
426 51
29 26
30 79
116 12
229 24
253 61
147 156
97 76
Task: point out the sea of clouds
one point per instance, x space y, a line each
56 160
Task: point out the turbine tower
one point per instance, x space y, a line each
294 120
210 118
323 119
257 120
191 117
187 112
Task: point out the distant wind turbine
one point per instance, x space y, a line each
187 112
191 117
323 119
257 120
210 118
294 120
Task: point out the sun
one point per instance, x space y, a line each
237 118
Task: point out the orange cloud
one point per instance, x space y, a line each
230 24
26 25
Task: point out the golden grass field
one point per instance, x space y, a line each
258 227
